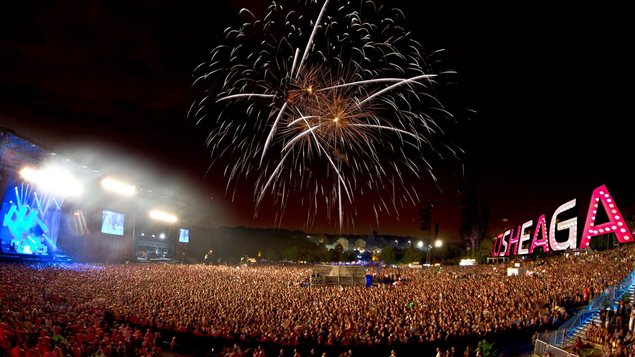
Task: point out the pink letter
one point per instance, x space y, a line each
543 243
496 246
615 224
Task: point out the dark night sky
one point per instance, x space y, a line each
550 89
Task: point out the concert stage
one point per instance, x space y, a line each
55 209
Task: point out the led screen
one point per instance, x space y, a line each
184 235
30 221
112 222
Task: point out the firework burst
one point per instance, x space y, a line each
322 102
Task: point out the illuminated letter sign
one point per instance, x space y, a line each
515 244
524 237
570 224
497 245
543 243
503 251
512 245
614 225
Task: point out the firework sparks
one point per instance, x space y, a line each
323 101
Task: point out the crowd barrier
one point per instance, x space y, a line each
610 295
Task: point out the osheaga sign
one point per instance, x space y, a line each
521 241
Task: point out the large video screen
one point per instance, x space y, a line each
29 221
112 222
184 235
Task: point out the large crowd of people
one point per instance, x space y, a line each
153 309
613 334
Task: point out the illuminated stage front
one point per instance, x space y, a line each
34 213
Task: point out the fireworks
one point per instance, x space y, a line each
322 102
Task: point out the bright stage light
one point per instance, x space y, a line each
53 179
119 187
163 216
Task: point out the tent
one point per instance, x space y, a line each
338 275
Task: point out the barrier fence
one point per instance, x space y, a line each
555 339
542 348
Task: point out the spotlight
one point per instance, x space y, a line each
53 179
163 216
117 186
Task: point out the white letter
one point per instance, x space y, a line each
524 237
570 224
504 251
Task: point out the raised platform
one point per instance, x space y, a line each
338 275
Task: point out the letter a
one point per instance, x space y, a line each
615 224
541 227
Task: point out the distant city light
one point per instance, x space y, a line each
438 243
419 244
